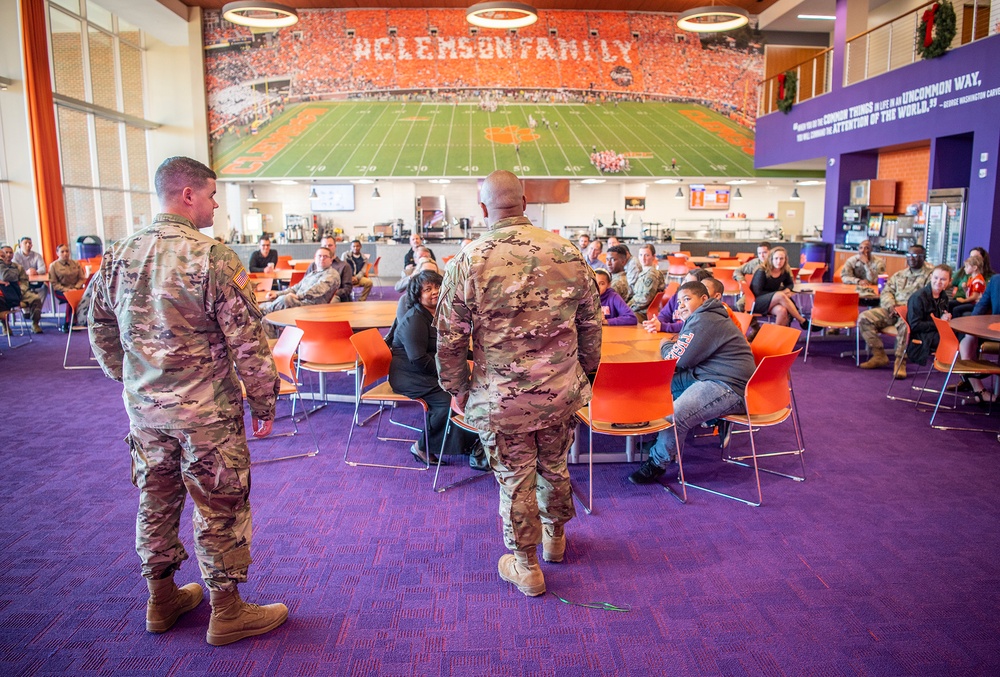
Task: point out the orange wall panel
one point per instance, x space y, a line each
910 169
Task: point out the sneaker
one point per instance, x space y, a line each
647 473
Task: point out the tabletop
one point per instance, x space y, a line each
810 287
983 326
630 344
361 314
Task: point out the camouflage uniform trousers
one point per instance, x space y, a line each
534 480
280 303
31 302
212 463
871 322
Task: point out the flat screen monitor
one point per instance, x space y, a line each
708 197
333 198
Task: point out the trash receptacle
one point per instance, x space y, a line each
88 246
816 252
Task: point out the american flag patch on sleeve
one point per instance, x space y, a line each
241 278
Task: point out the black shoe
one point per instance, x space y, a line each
424 457
478 459
64 327
647 473
725 432
807 325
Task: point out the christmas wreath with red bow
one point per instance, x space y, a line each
788 84
936 30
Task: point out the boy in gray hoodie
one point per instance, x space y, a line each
714 363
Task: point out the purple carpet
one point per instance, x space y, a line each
884 562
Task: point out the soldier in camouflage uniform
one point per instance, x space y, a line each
530 304
632 268
31 301
615 258
174 320
897 292
650 283
863 270
316 288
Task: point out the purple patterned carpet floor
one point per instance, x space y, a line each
886 561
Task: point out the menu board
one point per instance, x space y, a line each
708 197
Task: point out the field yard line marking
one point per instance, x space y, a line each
392 172
306 138
555 142
658 125
493 146
359 144
699 132
244 145
346 109
447 146
582 146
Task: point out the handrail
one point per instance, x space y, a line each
801 63
890 21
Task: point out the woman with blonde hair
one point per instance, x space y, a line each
772 286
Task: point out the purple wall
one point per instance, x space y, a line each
922 102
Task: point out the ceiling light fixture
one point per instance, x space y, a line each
795 193
712 19
259 14
737 195
375 195
441 181
313 195
666 181
362 181
817 17
253 195
501 15
593 181
679 195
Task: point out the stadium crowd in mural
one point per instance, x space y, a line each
598 57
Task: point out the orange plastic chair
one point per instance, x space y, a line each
773 339
719 254
767 401
743 321
284 263
678 267
901 311
372 272
446 259
301 265
376 357
729 284
835 310
326 348
639 409
655 305
73 298
455 420
727 263
811 272
947 360
283 352
744 257
297 276
749 299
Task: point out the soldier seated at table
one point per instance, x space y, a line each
345 292
66 274
33 264
863 270
31 301
649 284
714 363
315 288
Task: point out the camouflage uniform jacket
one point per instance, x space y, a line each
66 275
319 286
15 272
856 271
633 269
619 282
902 285
747 270
172 312
650 283
530 304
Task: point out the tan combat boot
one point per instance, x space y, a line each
553 543
878 359
167 603
233 619
522 569
900 365
36 328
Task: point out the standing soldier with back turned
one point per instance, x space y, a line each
530 304
172 314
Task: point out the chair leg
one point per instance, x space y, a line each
437 471
587 507
312 432
682 497
378 428
756 470
69 336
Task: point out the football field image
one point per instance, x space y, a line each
358 139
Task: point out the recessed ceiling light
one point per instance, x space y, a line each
592 181
661 181
740 182
363 181
812 182
439 181
285 182
817 17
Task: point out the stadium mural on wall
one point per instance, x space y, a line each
406 93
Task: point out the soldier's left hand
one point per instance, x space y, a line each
261 428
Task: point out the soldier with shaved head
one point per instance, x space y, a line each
529 303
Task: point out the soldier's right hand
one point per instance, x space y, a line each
261 428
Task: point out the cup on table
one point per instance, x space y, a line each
87 270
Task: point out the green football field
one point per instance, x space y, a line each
406 140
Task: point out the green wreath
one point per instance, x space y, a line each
943 30
791 86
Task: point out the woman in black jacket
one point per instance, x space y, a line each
931 300
772 286
413 371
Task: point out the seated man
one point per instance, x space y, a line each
31 302
265 259
747 270
423 260
66 274
897 291
650 283
416 241
319 286
345 291
714 363
616 311
359 269
593 255
863 270
33 264
669 318
615 259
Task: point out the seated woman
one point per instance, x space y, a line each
616 311
932 300
772 287
972 287
413 373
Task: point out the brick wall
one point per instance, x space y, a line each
910 170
